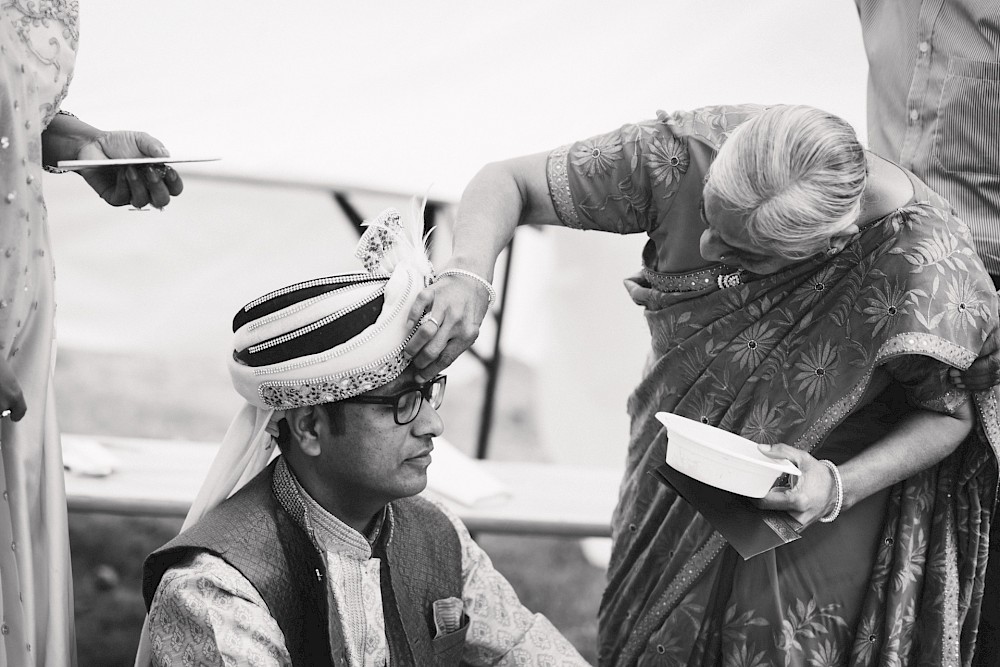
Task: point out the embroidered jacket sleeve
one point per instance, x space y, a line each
206 613
627 180
502 631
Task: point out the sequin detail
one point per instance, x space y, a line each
562 198
298 393
356 342
379 238
302 305
330 280
653 617
685 282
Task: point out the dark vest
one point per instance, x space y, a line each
259 532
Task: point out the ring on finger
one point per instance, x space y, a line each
5 413
430 318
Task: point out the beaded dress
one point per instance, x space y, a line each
38 42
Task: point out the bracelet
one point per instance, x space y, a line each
462 272
835 512
57 170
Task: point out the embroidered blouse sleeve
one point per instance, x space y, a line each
618 181
926 383
502 631
627 180
206 613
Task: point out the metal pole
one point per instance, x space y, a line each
493 364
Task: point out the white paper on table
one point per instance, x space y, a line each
462 479
85 455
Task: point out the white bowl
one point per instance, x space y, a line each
721 459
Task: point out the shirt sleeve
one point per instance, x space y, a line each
206 613
502 631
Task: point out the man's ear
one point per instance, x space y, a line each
306 428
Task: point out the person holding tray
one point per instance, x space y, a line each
38 43
810 296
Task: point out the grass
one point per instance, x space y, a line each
166 397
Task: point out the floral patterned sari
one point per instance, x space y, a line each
826 356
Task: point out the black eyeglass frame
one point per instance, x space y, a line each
425 390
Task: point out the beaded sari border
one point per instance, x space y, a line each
691 281
556 171
643 630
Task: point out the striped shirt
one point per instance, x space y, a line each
934 102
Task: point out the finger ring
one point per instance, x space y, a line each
5 413
430 318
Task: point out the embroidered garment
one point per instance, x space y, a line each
825 355
38 42
205 612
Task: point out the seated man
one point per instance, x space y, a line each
328 556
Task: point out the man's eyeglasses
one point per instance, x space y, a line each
406 404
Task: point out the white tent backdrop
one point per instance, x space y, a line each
403 96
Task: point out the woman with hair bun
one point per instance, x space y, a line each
811 296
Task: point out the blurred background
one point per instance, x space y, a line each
400 99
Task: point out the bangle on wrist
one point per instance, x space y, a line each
462 272
835 512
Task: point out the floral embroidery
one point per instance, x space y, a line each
816 370
667 162
964 302
763 424
942 252
805 620
638 201
597 156
886 305
44 16
752 346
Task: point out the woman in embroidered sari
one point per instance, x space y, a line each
810 296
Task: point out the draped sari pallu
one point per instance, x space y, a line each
787 358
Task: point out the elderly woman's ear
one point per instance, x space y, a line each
840 240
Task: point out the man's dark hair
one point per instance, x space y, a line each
334 412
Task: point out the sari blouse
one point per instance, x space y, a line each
798 357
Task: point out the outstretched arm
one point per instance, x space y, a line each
69 138
499 198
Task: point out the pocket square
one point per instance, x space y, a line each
447 615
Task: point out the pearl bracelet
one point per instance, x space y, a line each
462 272
835 512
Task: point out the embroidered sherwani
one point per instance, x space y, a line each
206 597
